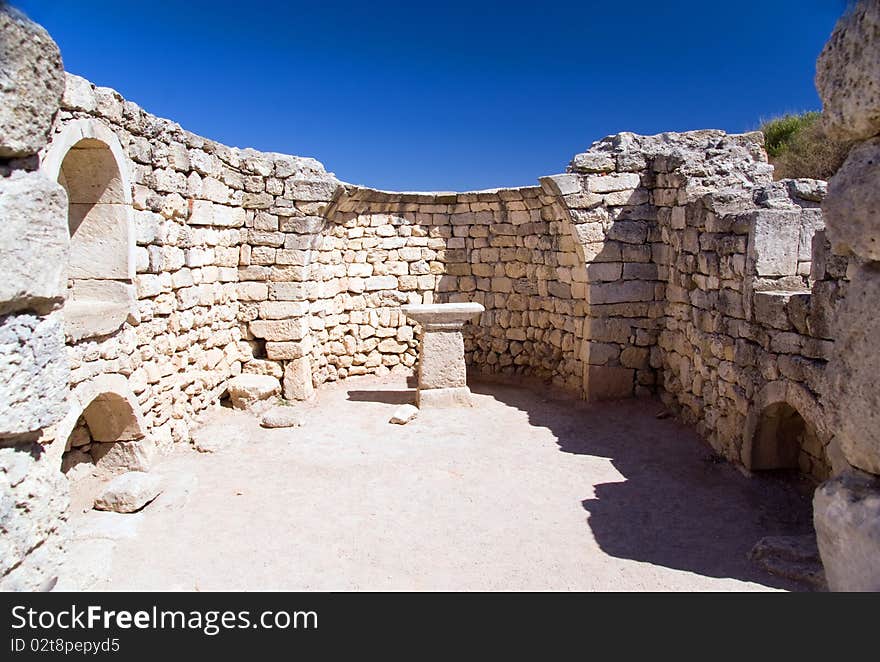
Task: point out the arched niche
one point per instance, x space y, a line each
104 427
87 160
785 430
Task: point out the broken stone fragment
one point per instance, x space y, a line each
404 414
247 390
129 492
281 417
792 557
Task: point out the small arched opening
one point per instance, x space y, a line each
784 440
102 436
87 161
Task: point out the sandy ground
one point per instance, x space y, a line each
528 490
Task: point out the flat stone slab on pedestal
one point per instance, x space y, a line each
434 314
442 370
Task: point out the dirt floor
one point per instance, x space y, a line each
528 490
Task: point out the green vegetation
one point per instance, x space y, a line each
798 147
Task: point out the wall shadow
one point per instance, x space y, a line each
388 397
677 504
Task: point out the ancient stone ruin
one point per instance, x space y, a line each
146 269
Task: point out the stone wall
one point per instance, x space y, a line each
34 496
199 212
667 264
147 266
847 508
717 286
509 250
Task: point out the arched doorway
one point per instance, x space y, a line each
87 160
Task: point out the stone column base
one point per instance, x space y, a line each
444 397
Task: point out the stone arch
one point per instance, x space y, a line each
87 160
786 430
117 438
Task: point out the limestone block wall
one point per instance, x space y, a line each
657 264
509 250
667 264
196 213
34 247
712 282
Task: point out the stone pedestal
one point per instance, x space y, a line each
442 373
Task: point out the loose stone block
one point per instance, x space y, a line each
281 417
246 390
129 492
281 351
404 414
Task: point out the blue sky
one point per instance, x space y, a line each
445 95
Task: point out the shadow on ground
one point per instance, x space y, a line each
678 506
388 397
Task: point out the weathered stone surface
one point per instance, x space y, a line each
851 395
247 390
112 459
614 182
404 414
444 398
208 213
441 351
76 464
608 383
298 382
846 513
281 417
31 84
100 316
847 75
792 557
129 492
852 206
33 241
34 500
280 330
215 437
774 241
33 372
259 264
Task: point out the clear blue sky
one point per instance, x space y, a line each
445 95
